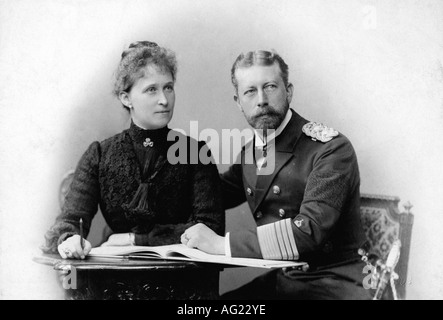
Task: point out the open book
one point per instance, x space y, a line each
182 252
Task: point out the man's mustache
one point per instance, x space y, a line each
268 112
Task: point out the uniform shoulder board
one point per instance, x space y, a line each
318 131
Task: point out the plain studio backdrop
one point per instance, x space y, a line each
370 69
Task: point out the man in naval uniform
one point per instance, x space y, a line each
306 207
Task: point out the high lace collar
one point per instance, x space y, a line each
148 138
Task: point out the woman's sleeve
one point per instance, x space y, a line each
81 201
207 197
206 203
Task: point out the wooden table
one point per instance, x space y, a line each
123 279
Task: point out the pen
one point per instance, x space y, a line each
82 244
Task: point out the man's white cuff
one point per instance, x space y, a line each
227 245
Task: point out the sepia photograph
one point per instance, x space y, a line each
227 150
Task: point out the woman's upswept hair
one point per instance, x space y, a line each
261 58
136 57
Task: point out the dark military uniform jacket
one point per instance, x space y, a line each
307 209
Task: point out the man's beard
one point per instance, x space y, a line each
268 118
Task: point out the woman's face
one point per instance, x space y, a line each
152 98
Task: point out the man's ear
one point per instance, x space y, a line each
237 100
290 91
125 100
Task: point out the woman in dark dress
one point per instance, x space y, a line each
144 198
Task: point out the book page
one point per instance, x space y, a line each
126 250
182 252
222 259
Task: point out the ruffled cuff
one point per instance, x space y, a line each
65 236
53 241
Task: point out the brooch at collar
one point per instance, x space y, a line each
318 131
148 143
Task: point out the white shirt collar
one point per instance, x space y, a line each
258 140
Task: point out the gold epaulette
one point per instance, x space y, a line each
319 132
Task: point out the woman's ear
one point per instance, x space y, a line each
125 99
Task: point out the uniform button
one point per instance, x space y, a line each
249 191
281 213
259 215
276 189
328 247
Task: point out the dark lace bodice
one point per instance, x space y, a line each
139 191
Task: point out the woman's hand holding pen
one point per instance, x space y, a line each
72 248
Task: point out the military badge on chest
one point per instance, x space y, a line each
319 132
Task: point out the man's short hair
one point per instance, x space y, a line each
261 58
